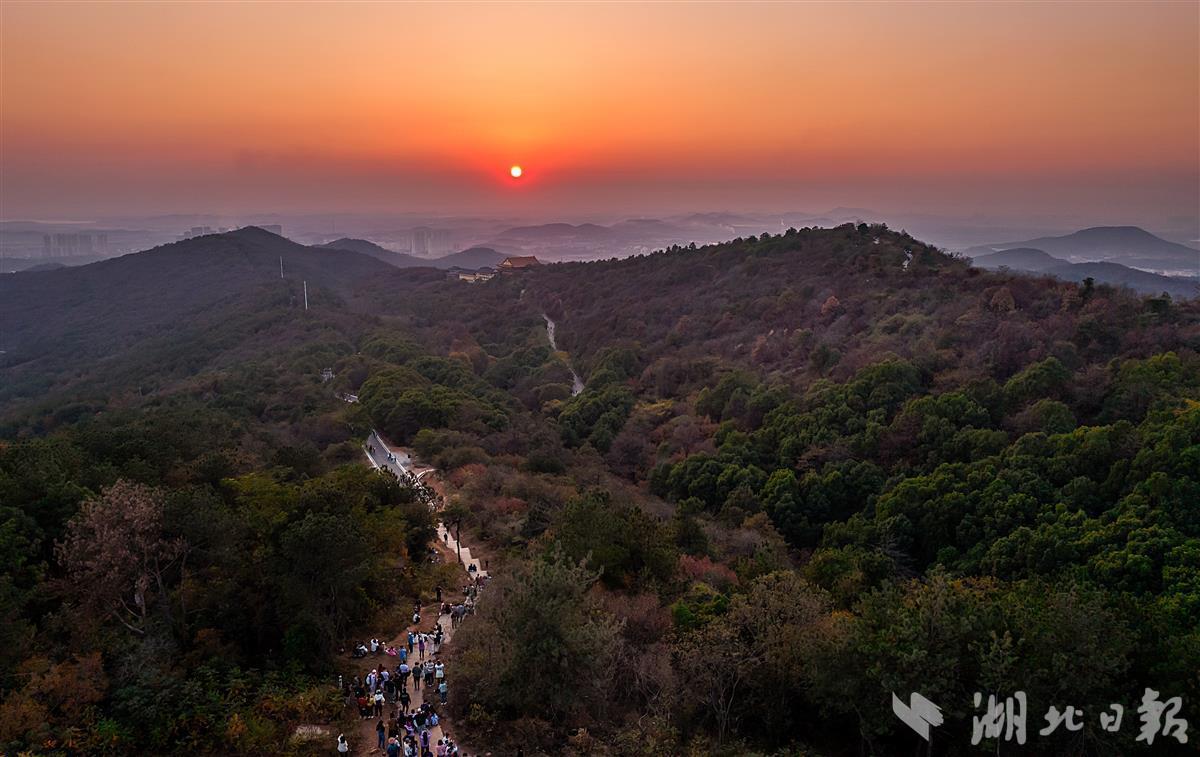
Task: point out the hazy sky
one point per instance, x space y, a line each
250 107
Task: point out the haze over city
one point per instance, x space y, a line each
1086 112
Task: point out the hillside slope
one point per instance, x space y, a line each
54 321
827 303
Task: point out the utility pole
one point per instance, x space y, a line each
281 266
306 295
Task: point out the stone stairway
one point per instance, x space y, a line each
447 538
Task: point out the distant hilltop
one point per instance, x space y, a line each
471 259
1125 245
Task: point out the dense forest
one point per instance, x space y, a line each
806 471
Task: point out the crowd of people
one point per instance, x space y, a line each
403 692
388 692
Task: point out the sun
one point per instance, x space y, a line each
515 172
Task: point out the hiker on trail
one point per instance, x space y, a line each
439 670
421 645
442 689
404 700
381 733
343 746
364 706
412 639
393 748
378 699
429 674
417 673
439 594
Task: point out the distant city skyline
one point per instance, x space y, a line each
1089 111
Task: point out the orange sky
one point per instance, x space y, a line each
171 106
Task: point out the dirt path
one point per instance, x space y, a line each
365 740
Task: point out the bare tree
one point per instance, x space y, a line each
118 558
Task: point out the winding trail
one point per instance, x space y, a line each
576 382
445 543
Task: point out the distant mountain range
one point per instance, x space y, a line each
1033 260
1124 245
473 258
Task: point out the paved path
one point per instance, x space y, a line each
402 465
576 381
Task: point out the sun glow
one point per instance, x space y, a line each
515 172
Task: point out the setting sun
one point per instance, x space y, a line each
516 172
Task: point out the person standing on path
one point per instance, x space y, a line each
421 645
381 733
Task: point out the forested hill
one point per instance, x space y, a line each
829 302
845 464
58 323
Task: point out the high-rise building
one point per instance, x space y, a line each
74 244
429 242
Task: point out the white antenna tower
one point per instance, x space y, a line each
281 266
306 295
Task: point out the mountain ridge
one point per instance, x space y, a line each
1131 246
